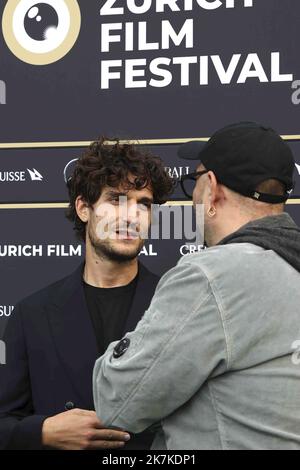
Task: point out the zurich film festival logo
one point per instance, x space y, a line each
40 33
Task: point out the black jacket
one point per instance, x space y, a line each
51 350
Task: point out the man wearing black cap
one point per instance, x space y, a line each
251 165
213 359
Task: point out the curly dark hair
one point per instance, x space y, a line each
107 162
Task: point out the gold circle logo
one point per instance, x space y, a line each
41 32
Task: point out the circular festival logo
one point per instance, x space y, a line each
40 33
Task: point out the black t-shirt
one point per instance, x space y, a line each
109 309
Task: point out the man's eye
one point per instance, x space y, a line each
115 200
145 206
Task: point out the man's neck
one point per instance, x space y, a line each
106 273
216 234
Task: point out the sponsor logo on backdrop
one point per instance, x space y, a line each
173 171
41 32
2 92
148 251
20 176
29 251
58 251
35 175
190 249
177 172
68 170
6 310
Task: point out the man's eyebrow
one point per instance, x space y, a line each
124 193
116 193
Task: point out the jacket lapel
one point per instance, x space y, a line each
73 334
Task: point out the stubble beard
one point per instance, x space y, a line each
104 249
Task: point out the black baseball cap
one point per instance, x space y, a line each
242 156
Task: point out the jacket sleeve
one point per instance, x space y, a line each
177 345
20 428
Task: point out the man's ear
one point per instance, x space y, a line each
82 209
215 189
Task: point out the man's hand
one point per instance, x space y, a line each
80 430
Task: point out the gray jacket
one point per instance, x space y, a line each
213 360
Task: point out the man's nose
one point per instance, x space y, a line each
129 212
132 212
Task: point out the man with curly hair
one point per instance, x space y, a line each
55 336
